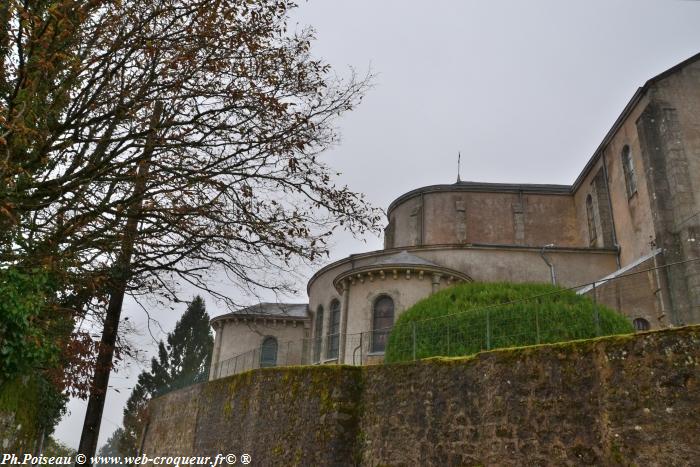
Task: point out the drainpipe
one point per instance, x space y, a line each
551 266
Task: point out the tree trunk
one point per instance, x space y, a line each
120 279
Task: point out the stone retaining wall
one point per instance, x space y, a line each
614 401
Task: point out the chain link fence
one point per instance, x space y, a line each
641 293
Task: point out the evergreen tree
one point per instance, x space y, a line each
112 448
55 448
189 347
135 413
183 361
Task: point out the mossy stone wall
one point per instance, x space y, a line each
19 401
629 400
285 416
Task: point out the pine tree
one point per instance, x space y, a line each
183 361
190 346
135 413
112 448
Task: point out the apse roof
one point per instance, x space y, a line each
402 257
401 260
276 310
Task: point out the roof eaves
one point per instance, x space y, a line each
625 113
258 311
257 315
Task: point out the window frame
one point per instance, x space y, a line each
318 333
332 351
628 171
268 363
591 218
641 324
380 335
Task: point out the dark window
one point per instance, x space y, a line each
640 324
268 352
319 333
590 213
628 169
382 321
334 330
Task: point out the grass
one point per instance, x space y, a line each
472 317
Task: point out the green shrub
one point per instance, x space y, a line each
29 332
471 317
24 340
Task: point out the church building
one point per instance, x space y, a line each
635 207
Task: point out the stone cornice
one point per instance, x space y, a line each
265 319
373 272
456 247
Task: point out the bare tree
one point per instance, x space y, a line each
146 142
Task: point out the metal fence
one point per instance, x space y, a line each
641 293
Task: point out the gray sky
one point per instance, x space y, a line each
525 90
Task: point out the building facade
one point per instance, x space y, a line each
633 213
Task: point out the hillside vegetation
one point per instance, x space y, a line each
472 317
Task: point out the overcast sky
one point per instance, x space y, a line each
525 90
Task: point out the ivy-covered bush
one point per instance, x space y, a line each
25 342
472 317
30 404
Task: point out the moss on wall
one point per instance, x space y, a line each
621 400
19 402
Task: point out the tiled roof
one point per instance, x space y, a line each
278 310
402 257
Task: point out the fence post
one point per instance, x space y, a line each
488 330
448 339
362 349
595 311
413 325
537 322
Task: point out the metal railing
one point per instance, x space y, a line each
641 294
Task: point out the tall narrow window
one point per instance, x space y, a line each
334 330
382 321
318 331
590 213
268 352
628 169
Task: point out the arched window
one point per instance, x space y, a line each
628 169
640 324
268 352
318 331
334 330
590 213
382 321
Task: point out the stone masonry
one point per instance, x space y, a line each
624 400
